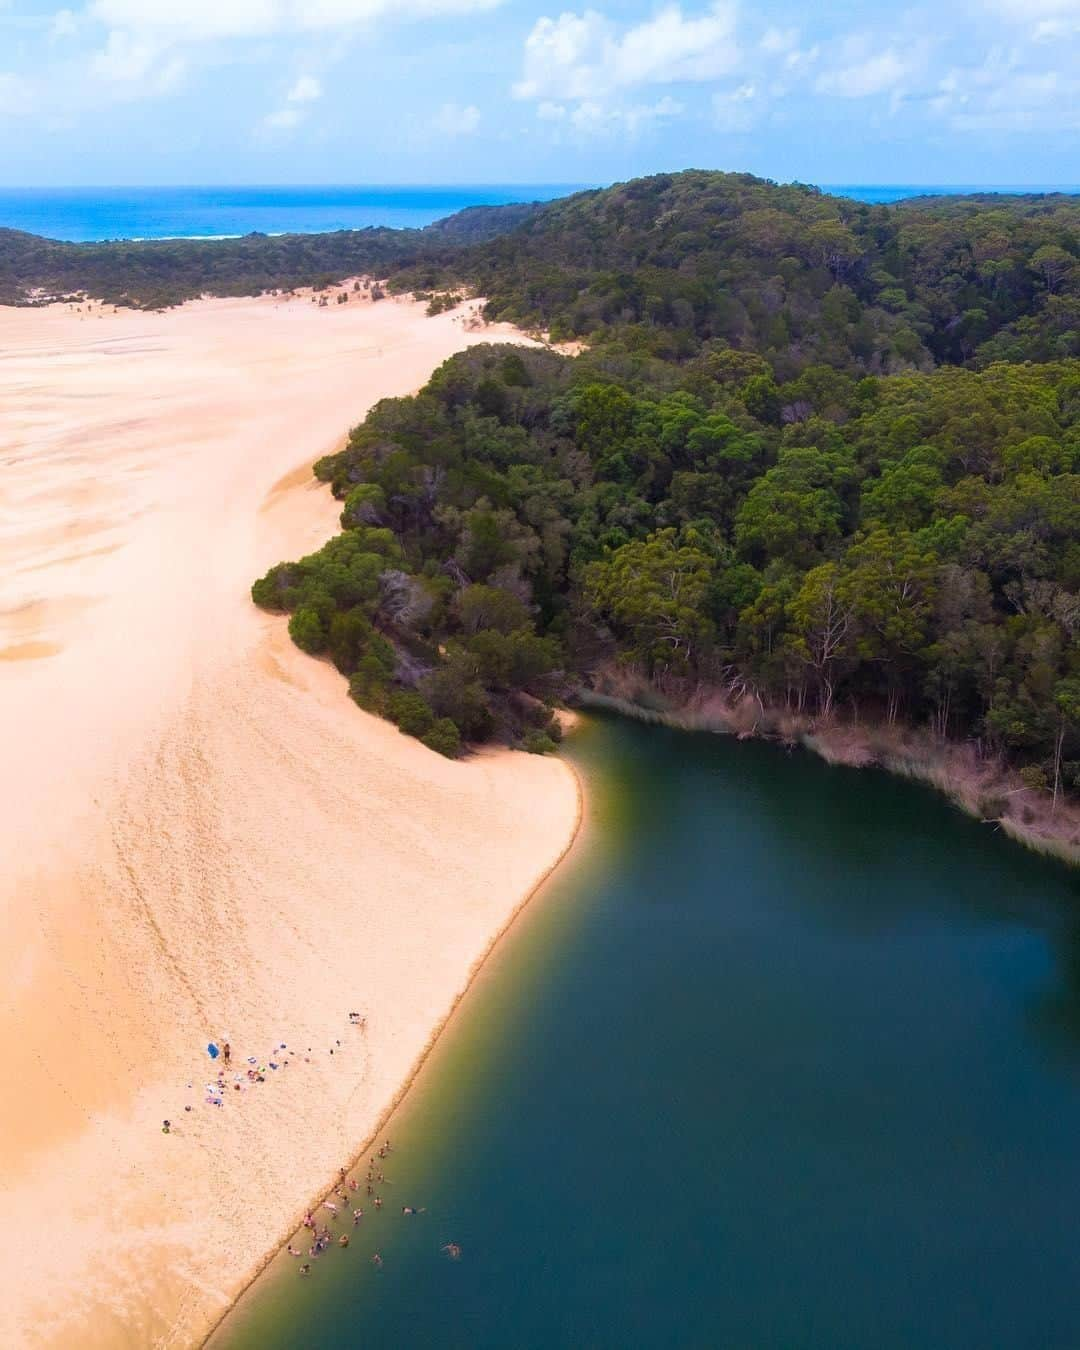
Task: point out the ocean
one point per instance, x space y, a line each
94 213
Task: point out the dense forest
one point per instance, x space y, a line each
156 273
662 264
904 547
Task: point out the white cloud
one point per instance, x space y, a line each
1023 11
777 41
1002 95
736 109
861 73
284 118
306 90
642 115
585 57
64 24
193 20
15 94
138 63
590 119
1053 30
453 119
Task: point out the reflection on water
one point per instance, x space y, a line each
786 1056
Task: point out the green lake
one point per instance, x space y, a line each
784 1056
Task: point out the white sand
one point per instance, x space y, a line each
199 834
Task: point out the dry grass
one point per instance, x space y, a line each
982 786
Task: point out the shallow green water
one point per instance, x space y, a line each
785 1056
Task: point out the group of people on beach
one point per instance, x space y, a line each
338 1207
256 1070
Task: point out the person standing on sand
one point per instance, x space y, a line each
226 1052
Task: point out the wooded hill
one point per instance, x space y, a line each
663 264
749 477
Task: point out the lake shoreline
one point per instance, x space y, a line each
982 788
355 1159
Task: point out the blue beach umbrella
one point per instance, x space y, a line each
212 1050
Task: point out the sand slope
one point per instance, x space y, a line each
199 835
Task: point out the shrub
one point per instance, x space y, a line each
306 630
271 591
369 685
348 636
1032 776
539 743
363 506
444 738
412 712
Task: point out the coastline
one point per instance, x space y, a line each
417 1068
206 840
982 788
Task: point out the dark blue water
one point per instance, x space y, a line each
83 214
787 1057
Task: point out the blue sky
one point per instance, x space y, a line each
483 91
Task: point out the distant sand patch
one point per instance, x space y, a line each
29 651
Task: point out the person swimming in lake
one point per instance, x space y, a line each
357 1215
453 1251
378 1202
411 1209
376 1261
343 1240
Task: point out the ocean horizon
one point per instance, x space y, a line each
94 214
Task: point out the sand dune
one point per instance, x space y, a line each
200 836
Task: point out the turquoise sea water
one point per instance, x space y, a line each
885 193
785 1057
83 214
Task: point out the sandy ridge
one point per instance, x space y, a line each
200 836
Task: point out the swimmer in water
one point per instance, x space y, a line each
357 1215
343 1240
305 1269
453 1251
378 1202
376 1260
